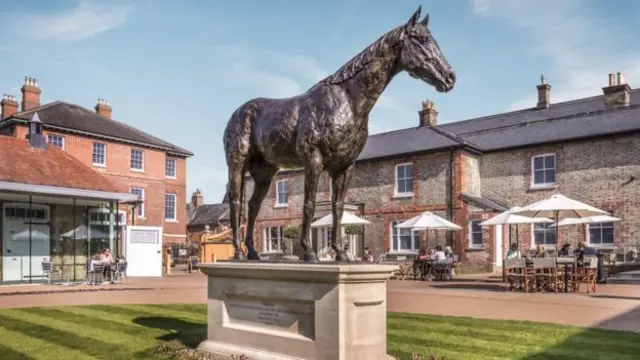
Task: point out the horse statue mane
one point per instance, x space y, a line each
364 58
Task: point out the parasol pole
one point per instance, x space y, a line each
556 213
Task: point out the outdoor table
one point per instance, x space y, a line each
422 265
569 264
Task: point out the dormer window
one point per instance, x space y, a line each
36 139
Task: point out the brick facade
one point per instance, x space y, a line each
152 179
599 172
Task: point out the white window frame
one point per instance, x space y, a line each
278 203
533 170
93 149
121 213
533 235
415 240
140 208
397 180
599 225
471 232
141 169
266 239
49 136
175 208
175 168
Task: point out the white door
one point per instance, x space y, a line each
143 251
25 241
498 245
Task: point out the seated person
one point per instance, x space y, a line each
368 255
564 251
94 261
422 253
540 252
439 255
348 252
513 252
448 252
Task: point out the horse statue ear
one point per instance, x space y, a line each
414 18
425 21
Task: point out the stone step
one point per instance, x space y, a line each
626 281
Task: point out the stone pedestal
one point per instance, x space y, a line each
274 311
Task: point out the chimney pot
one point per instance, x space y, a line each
428 116
30 94
104 108
9 105
617 94
544 94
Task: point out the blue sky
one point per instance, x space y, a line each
178 69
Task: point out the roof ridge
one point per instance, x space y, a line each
564 117
35 109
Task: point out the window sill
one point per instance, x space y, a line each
280 206
137 170
538 187
474 248
173 221
171 177
401 253
601 246
403 196
99 165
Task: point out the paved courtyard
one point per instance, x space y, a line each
612 307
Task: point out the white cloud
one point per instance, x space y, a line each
273 73
583 47
86 20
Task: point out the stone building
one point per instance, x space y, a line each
135 161
466 171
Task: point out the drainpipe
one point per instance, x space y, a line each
451 195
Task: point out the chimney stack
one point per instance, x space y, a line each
30 94
103 107
544 94
197 199
428 115
9 105
618 93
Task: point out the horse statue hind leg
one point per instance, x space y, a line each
312 171
262 174
340 183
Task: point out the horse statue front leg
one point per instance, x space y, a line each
341 180
311 179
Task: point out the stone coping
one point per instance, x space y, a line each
293 271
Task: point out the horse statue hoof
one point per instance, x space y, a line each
239 256
253 255
310 257
341 256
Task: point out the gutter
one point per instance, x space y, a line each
68 192
169 150
451 195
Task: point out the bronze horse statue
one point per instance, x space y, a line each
323 129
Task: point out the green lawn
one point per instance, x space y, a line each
135 331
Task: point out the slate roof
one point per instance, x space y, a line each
210 213
73 117
565 121
21 163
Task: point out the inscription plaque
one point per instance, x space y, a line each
293 317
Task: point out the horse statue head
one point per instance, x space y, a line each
421 57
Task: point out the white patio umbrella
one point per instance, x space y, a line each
559 206
83 233
587 220
428 221
509 217
25 235
348 218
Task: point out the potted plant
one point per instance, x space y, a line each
290 233
353 230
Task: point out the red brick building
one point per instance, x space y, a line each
135 161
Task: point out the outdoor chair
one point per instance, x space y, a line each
95 275
47 271
442 271
518 276
547 274
120 274
380 259
588 274
194 263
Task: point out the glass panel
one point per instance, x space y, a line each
475 226
399 172
477 238
550 162
607 235
405 242
17 241
401 187
538 177
409 185
538 163
539 238
595 235
408 171
550 176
